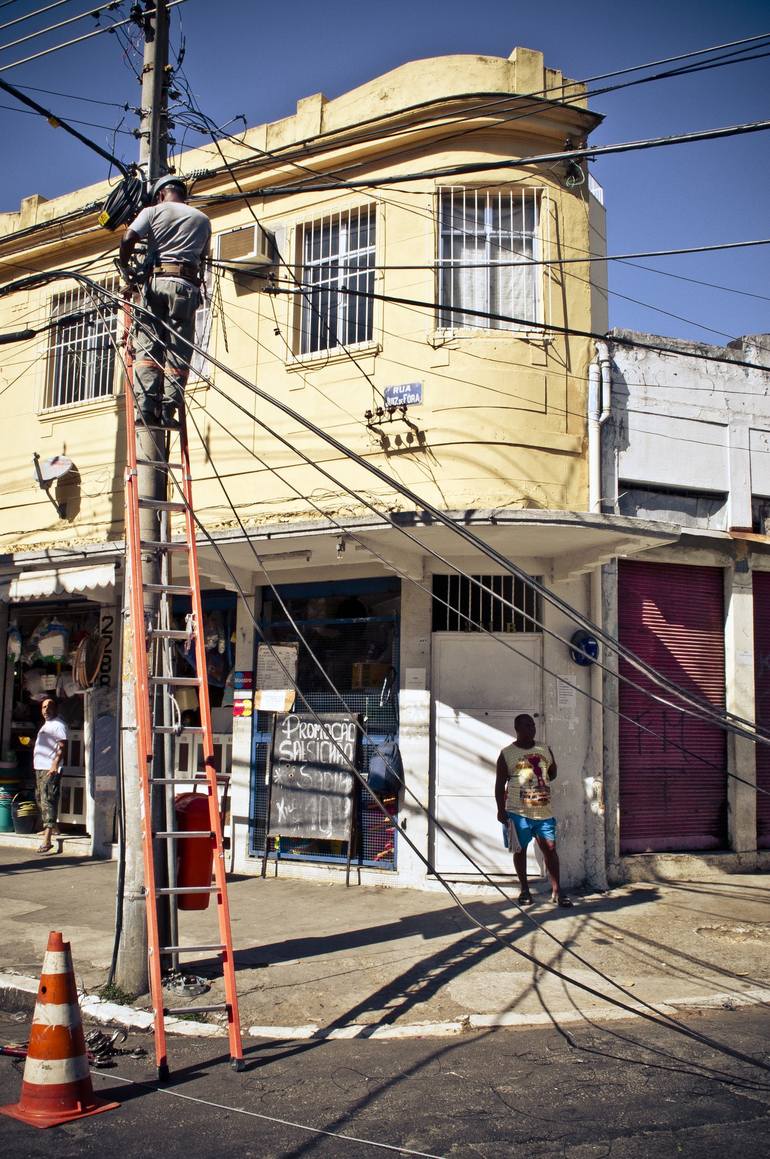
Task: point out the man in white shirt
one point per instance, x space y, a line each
178 238
46 761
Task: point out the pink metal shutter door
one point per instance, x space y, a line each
761 581
673 785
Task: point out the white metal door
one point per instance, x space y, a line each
479 687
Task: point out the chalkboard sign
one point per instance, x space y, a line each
312 788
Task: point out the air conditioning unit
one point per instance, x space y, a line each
249 248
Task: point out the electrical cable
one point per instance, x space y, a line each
525 262
590 152
531 324
30 15
519 114
165 1090
615 293
657 1017
224 562
58 123
717 718
108 6
307 297
508 565
376 392
87 36
463 532
492 103
73 121
74 96
389 565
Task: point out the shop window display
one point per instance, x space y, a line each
353 630
43 644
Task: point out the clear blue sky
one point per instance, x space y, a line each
258 59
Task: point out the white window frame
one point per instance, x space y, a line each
485 245
200 366
327 268
88 340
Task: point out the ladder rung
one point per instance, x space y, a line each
169 634
162 504
172 833
183 681
195 1009
160 463
173 890
166 729
164 545
168 589
215 949
202 780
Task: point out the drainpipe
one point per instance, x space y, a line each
599 404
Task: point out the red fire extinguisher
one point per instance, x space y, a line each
195 855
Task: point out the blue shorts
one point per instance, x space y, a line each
526 828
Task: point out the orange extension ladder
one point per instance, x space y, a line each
148 632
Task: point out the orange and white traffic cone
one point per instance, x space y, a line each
56 1087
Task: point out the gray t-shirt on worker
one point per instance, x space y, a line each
175 232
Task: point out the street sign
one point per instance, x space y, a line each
405 394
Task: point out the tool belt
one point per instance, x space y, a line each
186 270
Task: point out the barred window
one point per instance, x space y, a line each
337 254
484 237
81 356
460 605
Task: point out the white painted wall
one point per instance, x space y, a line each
680 421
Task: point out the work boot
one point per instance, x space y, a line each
168 416
147 414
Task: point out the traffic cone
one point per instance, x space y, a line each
56 1087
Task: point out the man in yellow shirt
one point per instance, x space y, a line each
525 770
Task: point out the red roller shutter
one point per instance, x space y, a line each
761 581
672 616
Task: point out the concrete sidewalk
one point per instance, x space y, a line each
321 960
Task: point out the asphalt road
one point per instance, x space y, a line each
630 1091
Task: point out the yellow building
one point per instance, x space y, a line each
388 267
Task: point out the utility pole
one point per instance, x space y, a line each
131 967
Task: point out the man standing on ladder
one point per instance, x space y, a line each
178 238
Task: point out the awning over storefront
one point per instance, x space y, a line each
58 581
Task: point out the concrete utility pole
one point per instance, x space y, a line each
131 967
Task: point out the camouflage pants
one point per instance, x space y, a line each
47 795
160 340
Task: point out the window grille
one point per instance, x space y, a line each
337 254
459 605
81 357
483 234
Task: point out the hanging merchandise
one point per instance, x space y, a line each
67 686
88 660
214 635
33 683
13 644
53 642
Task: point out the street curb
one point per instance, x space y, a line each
19 992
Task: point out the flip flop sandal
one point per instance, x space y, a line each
525 897
563 901
44 849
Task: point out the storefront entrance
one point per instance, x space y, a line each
352 628
479 687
